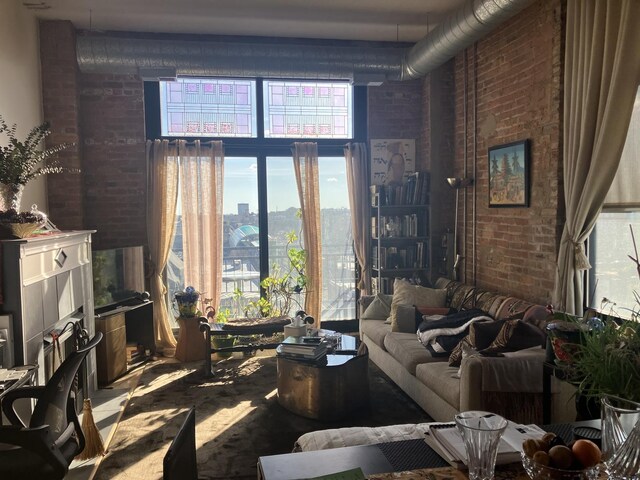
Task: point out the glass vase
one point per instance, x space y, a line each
621 438
481 432
11 195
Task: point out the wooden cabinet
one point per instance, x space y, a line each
47 283
111 353
400 232
125 326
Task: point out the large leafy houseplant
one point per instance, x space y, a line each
606 361
285 286
22 161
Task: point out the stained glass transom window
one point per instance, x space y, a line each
199 107
294 109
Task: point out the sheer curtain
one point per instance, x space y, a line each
357 161
305 165
602 71
201 184
162 195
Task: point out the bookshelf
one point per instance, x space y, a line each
400 232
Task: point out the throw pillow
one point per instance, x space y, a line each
405 293
467 350
480 333
515 335
379 309
484 333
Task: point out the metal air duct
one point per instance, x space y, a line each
460 30
240 58
362 62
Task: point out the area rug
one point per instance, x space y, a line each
238 418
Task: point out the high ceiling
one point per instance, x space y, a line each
383 20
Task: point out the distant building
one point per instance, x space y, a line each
243 209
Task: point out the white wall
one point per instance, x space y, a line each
20 86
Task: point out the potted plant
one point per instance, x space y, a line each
285 286
21 161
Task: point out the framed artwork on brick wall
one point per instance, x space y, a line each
392 161
509 174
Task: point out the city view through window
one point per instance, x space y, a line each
241 243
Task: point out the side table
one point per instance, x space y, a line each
191 342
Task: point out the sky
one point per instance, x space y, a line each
241 184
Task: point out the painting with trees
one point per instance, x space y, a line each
509 175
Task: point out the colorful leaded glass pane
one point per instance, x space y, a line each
307 109
208 107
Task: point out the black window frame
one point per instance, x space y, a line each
261 148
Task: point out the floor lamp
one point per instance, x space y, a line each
457 184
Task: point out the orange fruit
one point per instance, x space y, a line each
587 452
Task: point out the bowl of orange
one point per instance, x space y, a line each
548 458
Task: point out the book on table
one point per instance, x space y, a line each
446 440
303 347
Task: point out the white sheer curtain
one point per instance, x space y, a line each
602 72
305 165
162 195
357 161
201 189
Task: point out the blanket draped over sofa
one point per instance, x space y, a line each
505 382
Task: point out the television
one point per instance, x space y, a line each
118 276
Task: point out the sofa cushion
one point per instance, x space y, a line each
376 330
516 335
407 350
379 308
406 319
441 378
405 293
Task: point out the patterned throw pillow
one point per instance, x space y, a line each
515 335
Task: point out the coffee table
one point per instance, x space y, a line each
379 458
327 390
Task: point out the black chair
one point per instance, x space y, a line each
180 460
45 448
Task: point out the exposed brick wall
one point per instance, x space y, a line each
438 117
394 111
112 118
104 116
60 108
519 96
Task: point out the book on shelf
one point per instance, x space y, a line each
413 191
445 439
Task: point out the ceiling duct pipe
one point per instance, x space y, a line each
361 62
364 63
457 32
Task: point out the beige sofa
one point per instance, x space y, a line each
510 385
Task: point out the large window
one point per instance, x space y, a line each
613 280
261 200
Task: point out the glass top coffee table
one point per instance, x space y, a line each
327 390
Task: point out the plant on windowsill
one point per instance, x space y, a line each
606 358
21 161
284 287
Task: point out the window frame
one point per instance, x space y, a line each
261 148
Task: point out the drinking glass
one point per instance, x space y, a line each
621 438
481 432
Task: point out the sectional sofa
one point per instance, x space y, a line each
509 384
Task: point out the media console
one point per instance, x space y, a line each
129 322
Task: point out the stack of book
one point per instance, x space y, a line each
303 348
446 440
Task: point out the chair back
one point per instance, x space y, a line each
180 460
51 407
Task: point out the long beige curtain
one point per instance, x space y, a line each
357 161
602 71
305 165
201 183
162 195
